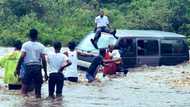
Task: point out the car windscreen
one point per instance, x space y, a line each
103 42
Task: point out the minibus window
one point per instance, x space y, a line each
127 47
147 47
173 47
179 47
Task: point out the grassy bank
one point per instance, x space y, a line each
66 20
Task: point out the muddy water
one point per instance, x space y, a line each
166 86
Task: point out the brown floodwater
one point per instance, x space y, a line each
166 86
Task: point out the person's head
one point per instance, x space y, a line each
18 45
33 34
111 47
101 13
72 45
57 46
102 52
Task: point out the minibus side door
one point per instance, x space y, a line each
148 51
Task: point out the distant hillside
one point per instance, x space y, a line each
66 20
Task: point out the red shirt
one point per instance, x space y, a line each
109 68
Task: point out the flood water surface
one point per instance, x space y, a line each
165 86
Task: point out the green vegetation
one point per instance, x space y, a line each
66 20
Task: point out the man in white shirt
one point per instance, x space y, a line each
71 72
57 62
102 25
33 58
114 53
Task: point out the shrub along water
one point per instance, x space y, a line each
66 20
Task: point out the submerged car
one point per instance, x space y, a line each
140 47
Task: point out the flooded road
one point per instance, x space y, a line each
165 86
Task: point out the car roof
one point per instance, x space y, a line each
147 33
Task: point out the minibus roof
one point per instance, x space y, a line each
147 33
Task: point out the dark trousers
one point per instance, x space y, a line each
123 68
33 75
72 79
92 70
56 80
102 29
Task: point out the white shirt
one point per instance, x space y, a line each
115 54
56 61
71 71
33 51
101 21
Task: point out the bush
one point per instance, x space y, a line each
65 20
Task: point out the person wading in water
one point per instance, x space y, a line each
33 57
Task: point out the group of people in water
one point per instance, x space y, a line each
25 64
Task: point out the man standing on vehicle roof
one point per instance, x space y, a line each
102 25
